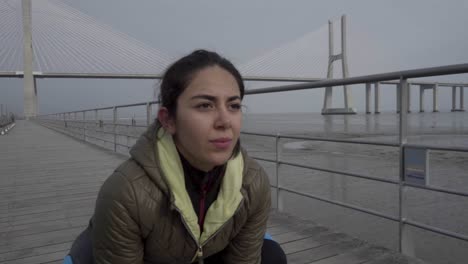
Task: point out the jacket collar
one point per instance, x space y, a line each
155 151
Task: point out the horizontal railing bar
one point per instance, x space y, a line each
104 108
128 125
122 145
420 146
280 79
93 122
357 208
101 131
131 105
339 172
445 84
323 139
263 159
417 73
341 141
125 135
436 189
436 230
19 74
258 134
98 75
98 138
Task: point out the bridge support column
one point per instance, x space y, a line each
421 98
377 98
454 98
29 84
368 97
434 94
462 107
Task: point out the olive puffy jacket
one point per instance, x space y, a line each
143 213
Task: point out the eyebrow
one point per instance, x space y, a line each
212 98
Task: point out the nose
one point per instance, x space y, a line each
223 118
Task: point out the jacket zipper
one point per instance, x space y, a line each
199 253
221 227
199 249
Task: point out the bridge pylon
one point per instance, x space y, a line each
348 100
29 82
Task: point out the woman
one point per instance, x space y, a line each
188 193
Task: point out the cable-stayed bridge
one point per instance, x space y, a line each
49 182
60 41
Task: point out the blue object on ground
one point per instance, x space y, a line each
67 260
267 236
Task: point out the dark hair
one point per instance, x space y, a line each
179 75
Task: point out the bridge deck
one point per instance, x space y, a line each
49 182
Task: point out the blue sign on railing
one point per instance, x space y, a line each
416 166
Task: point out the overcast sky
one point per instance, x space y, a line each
383 36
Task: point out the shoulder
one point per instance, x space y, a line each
129 188
255 177
119 184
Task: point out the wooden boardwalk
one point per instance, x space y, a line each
48 186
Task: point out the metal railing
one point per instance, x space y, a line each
82 128
6 124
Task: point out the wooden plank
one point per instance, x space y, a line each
46 204
299 234
394 258
44 258
312 242
31 252
45 226
322 252
42 239
355 256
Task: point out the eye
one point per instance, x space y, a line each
235 107
204 106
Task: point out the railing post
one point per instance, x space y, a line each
115 127
408 98
279 202
435 108
96 123
398 97
84 126
404 237
148 114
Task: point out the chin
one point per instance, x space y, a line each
220 159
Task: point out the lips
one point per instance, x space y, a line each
221 143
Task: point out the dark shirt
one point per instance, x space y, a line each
202 187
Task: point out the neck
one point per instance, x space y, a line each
192 162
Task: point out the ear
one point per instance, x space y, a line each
167 122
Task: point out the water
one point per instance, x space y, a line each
446 170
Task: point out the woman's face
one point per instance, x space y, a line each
208 118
